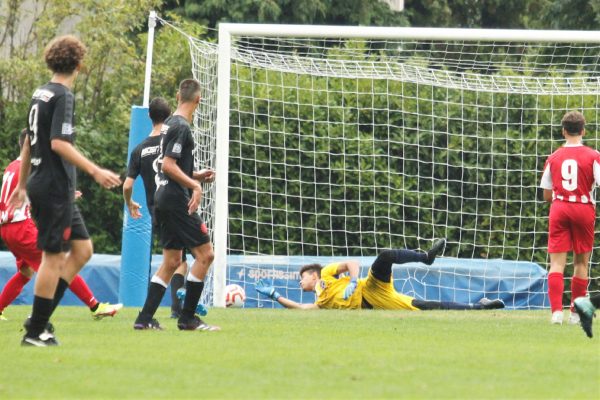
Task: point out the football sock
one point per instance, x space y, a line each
382 266
578 289
556 287
40 315
193 291
83 292
59 293
444 305
177 283
156 291
12 289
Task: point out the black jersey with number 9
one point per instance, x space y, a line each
51 117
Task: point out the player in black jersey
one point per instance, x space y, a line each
49 154
144 161
176 203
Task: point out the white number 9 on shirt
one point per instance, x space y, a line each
569 175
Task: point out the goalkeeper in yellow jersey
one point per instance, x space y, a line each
377 291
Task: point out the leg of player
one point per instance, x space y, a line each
80 253
204 256
177 282
83 292
156 290
556 286
14 287
483 304
43 300
579 282
586 308
382 266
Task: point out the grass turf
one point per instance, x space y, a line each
312 354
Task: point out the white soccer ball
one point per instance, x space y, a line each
235 296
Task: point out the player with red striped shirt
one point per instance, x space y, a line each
570 176
19 233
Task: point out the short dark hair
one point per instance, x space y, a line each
311 268
188 90
159 110
64 54
22 137
573 122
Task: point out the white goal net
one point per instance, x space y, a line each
342 147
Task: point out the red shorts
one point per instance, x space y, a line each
21 240
571 227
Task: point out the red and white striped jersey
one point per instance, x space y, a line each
10 179
572 172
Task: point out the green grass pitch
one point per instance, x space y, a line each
290 354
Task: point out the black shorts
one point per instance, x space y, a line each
58 223
177 229
153 232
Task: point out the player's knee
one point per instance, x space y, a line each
27 272
386 256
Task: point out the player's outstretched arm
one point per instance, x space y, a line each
269 291
132 206
67 151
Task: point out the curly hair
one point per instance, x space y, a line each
64 54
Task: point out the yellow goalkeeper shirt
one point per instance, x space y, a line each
330 290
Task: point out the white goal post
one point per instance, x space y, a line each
276 52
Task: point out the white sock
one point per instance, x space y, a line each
192 278
156 279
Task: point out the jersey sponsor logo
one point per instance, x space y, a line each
177 148
67 129
35 161
43 94
150 151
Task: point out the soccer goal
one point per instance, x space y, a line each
333 142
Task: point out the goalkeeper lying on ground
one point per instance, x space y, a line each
376 291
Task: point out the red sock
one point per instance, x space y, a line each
556 287
578 289
13 287
82 291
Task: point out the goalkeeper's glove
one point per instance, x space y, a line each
350 288
266 290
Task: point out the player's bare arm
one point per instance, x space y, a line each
67 151
352 267
287 303
205 175
17 198
548 195
132 206
171 169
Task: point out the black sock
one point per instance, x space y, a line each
382 266
59 293
40 315
595 301
156 292
193 291
176 283
444 305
